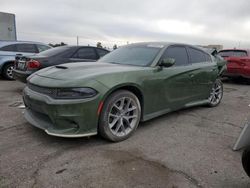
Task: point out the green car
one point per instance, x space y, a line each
133 83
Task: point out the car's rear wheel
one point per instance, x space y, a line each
216 93
8 71
120 116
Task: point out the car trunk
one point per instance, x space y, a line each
221 63
24 63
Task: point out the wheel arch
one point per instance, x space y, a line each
5 64
133 88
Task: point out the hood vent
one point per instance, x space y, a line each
61 67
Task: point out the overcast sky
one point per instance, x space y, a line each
118 21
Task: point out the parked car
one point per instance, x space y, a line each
26 65
9 49
134 83
238 63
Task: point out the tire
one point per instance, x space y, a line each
216 94
7 71
245 159
120 116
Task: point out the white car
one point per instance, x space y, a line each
9 49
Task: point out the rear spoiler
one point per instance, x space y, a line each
211 51
221 62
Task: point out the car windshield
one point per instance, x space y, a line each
133 55
54 51
233 53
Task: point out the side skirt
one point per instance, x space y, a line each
162 112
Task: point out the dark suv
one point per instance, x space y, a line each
9 49
26 65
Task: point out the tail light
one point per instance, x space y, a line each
33 64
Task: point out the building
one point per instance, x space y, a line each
7 26
218 47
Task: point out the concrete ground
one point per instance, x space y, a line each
188 148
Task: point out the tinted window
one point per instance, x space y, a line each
208 57
42 47
10 48
141 55
196 56
54 51
29 48
178 53
233 53
85 53
101 52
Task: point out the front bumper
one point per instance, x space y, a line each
21 75
63 118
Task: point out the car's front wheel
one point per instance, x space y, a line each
216 93
8 71
120 116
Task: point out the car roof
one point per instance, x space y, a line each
80 46
166 44
5 42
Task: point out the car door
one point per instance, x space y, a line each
204 73
84 54
176 79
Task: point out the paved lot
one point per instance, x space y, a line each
189 148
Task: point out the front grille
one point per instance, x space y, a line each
44 90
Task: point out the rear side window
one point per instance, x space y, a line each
197 56
10 48
178 53
29 48
42 47
85 53
233 53
54 51
208 57
101 52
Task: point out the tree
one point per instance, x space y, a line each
114 47
56 45
99 45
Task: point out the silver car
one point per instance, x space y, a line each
9 49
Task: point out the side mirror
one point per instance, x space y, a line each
167 62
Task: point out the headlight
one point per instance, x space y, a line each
75 93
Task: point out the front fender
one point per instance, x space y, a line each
122 85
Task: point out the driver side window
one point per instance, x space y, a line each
179 53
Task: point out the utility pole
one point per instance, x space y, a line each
77 40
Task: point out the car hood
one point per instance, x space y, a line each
72 71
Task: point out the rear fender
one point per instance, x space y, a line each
222 65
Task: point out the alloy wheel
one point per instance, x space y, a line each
9 71
123 116
216 93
